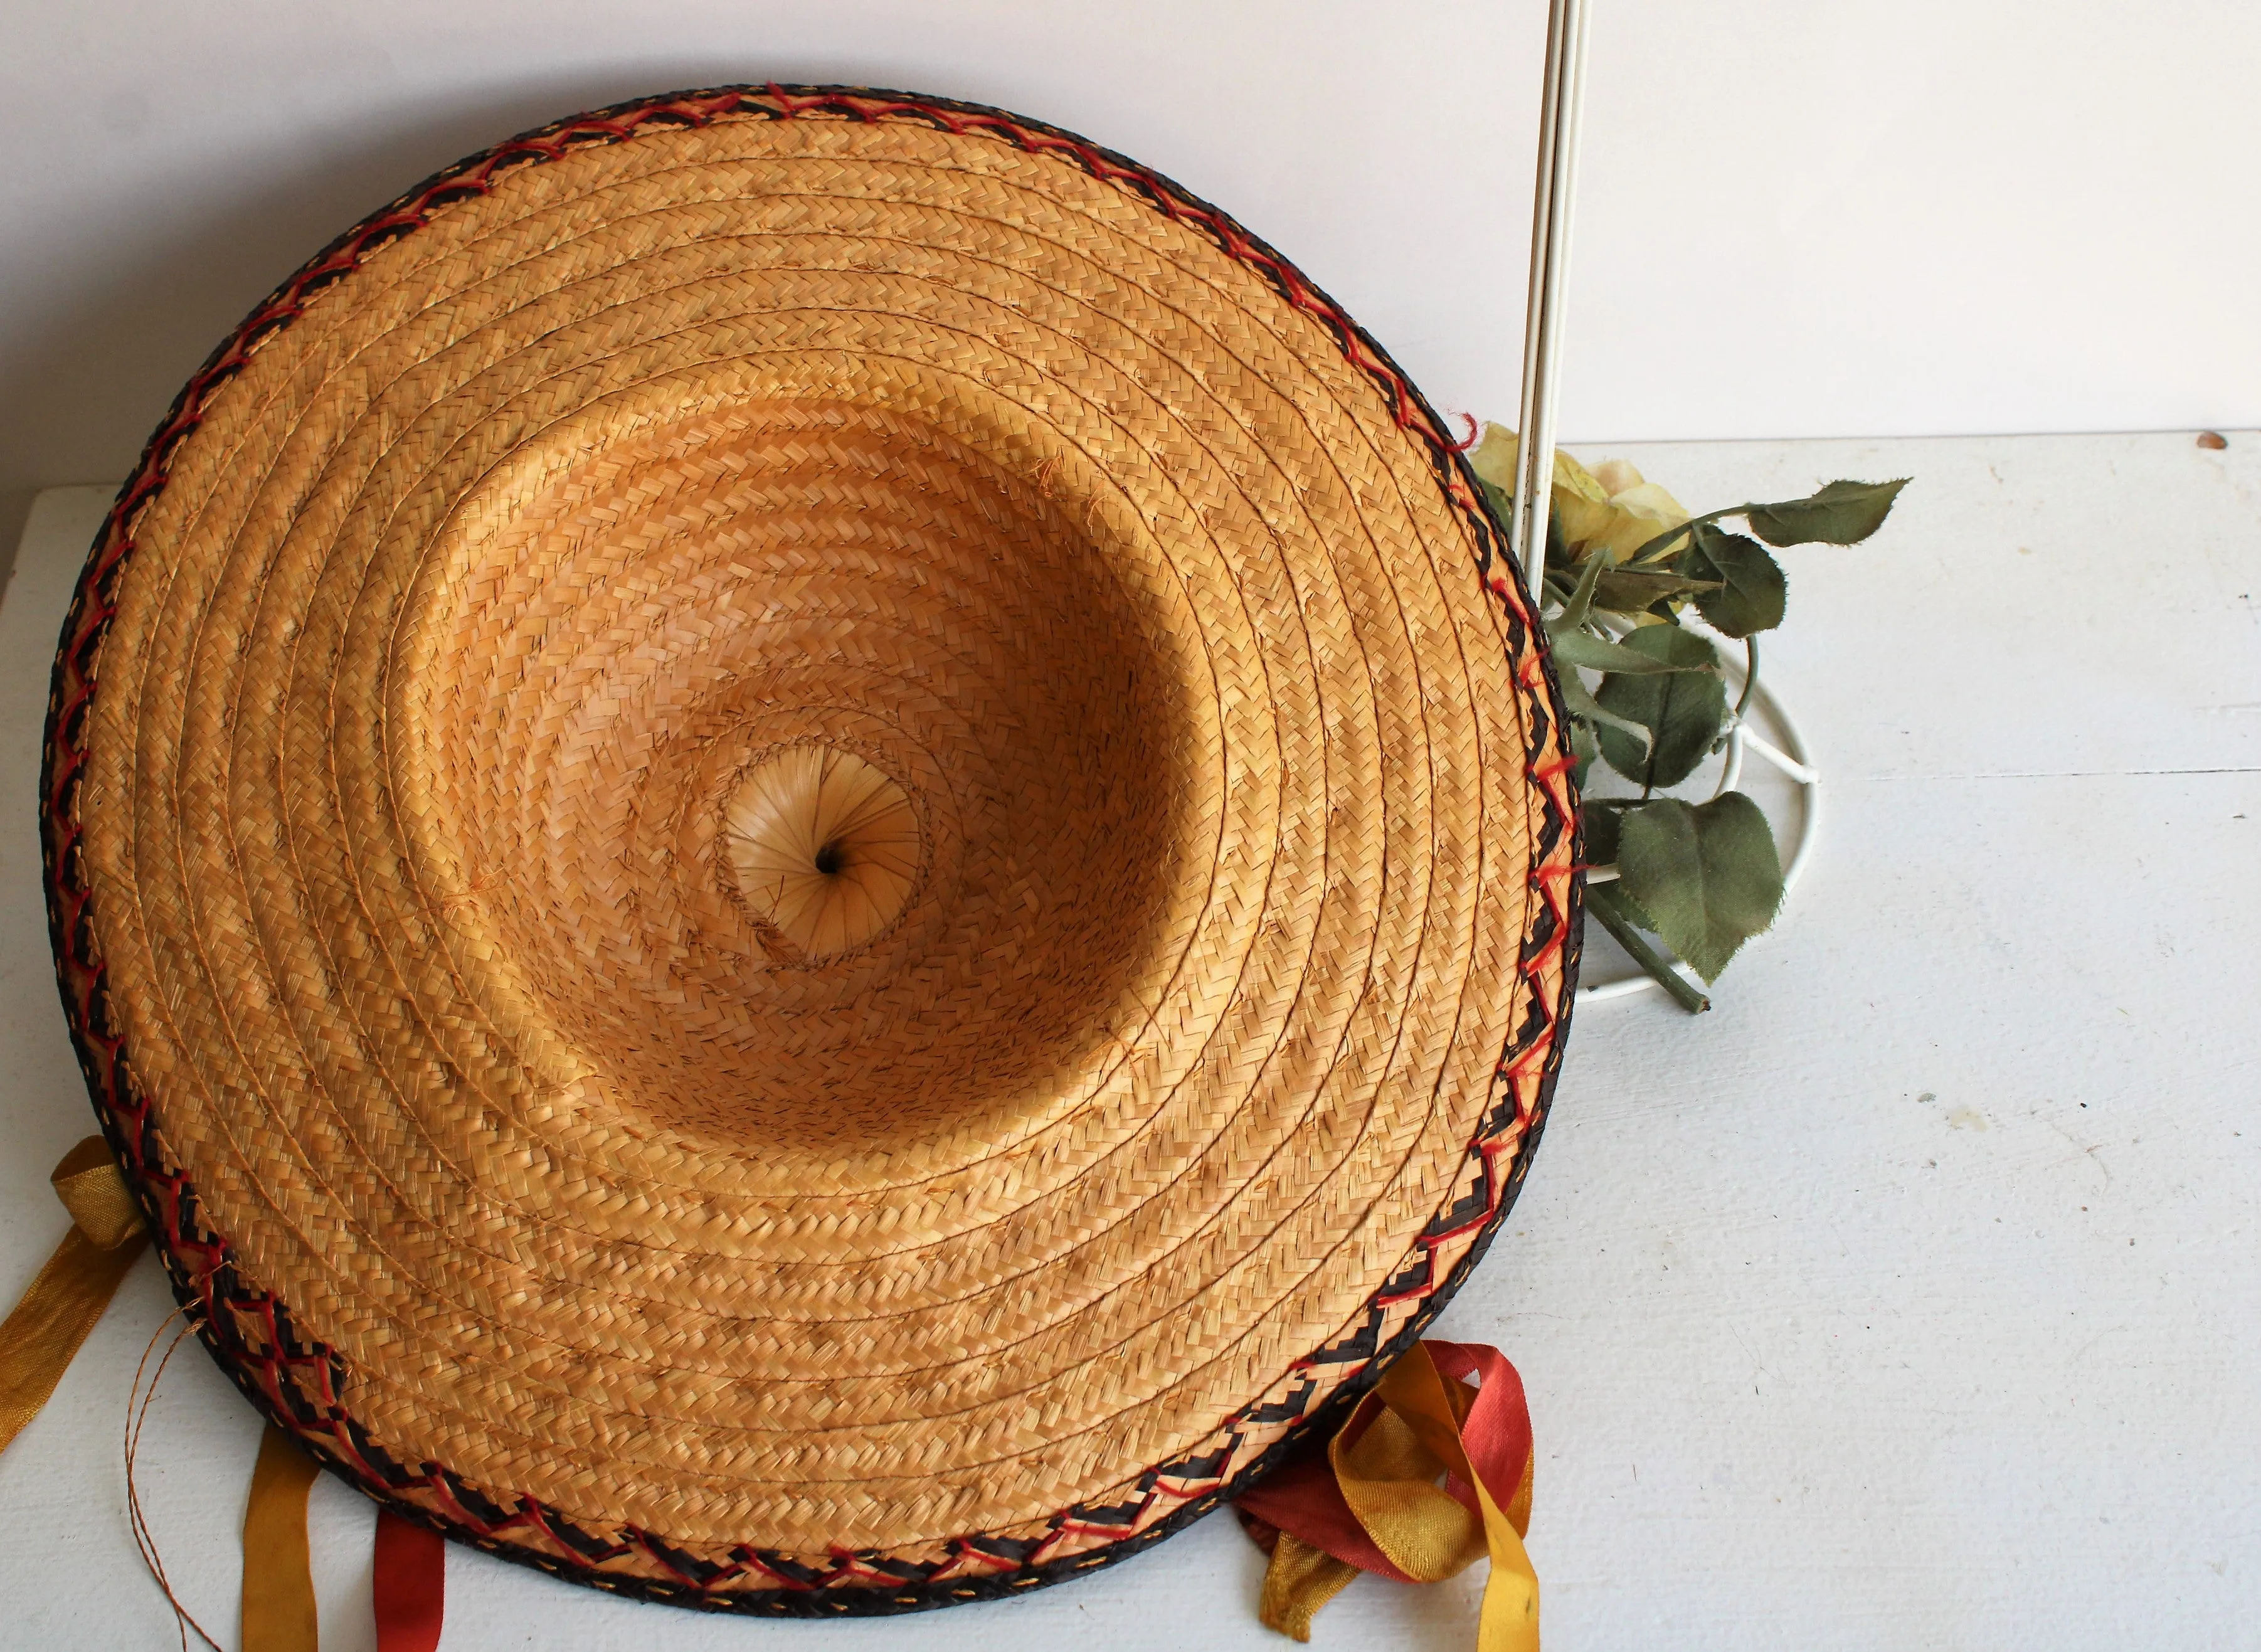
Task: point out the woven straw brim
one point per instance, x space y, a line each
736 480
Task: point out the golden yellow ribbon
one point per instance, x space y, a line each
38 1339
1394 1463
278 1581
1302 1578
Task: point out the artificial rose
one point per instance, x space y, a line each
1609 508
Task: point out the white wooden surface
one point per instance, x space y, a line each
1908 1300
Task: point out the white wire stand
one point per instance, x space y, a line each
1553 199
1789 754
1553 194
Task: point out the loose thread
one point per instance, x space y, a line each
137 1417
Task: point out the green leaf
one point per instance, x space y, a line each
1752 591
1625 921
1599 820
1558 553
1581 600
1682 650
1599 654
1681 711
1584 750
1842 513
1583 707
1706 875
1632 590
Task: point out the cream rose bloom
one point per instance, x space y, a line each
1610 508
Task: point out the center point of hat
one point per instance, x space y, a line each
825 845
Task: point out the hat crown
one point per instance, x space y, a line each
826 848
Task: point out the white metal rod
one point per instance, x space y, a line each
1553 197
1789 766
1538 281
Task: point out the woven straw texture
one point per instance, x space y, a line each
810 851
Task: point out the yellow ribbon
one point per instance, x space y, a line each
38 1340
1300 1580
278 1583
1389 1476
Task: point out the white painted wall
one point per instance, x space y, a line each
1859 216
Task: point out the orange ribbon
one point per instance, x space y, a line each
38 1339
278 1579
1415 1486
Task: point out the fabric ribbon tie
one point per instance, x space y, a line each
54 1316
409 1585
407 1580
278 1579
1429 1472
37 1343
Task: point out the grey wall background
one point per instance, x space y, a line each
1864 217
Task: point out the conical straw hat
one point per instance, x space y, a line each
811 852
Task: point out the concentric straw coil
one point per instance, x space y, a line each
821 838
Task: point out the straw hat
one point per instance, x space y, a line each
810 851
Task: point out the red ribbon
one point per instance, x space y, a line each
410 1584
1428 1472
1305 1499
